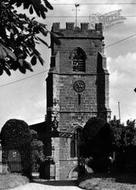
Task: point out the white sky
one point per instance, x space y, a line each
26 99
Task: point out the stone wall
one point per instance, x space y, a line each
65 165
0 159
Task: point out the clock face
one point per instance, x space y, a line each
79 86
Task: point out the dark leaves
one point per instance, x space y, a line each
36 55
31 10
7 71
37 6
48 4
5 52
43 31
45 43
28 66
34 60
41 60
19 35
18 3
1 71
55 39
22 70
13 65
55 36
27 4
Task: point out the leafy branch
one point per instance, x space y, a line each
19 34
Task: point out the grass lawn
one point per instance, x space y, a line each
123 181
11 180
99 181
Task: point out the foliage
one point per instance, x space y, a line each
33 134
96 143
19 34
118 132
15 135
36 151
124 145
91 128
100 139
97 138
124 136
130 134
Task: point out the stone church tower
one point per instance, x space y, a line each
77 89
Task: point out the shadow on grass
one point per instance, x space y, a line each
126 178
120 177
57 182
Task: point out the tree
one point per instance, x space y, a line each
124 136
97 143
38 156
15 133
98 137
124 145
118 132
130 135
19 34
16 137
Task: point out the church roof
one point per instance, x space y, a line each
41 128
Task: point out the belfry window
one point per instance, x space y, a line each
78 59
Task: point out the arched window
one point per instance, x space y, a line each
78 57
75 140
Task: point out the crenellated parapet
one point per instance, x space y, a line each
70 31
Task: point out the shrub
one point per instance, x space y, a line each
124 145
15 135
36 151
97 143
97 138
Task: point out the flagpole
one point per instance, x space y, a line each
119 112
76 5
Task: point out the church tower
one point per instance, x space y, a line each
77 89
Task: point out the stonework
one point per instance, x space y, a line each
77 87
0 159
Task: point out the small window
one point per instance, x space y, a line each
78 59
74 146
